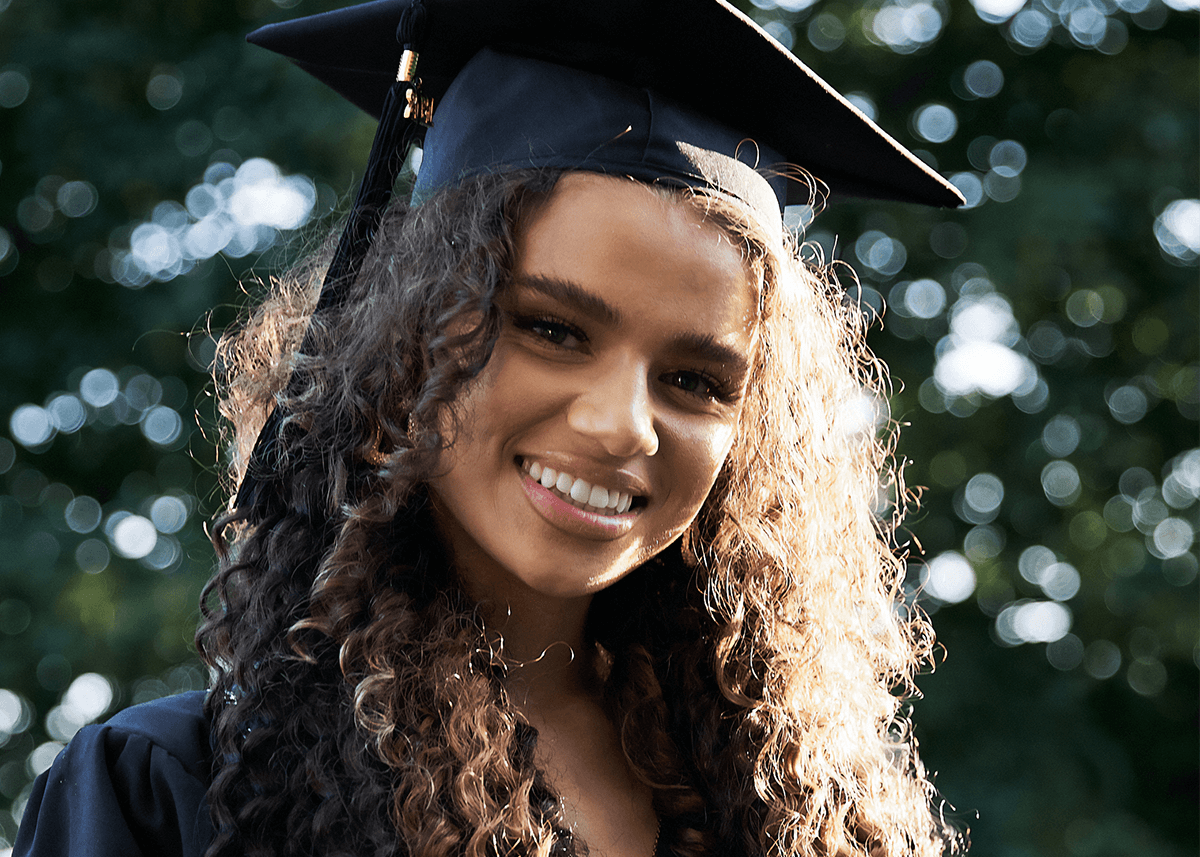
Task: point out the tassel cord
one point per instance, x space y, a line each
392 139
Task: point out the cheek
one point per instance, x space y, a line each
702 456
484 407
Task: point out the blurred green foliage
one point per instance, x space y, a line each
1059 508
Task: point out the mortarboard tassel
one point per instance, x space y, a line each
396 122
403 110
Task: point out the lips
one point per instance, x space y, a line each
580 493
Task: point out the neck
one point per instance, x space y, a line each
541 643
539 636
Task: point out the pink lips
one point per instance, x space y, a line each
572 519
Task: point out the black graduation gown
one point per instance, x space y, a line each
132 786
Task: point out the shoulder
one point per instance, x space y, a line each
176 724
134 785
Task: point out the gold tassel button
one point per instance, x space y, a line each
408 66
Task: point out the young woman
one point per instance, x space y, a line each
555 534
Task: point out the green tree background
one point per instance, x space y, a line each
1043 347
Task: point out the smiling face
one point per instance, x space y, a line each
605 413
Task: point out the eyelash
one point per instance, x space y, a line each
540 325
532 323
716 390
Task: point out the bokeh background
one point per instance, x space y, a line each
1043 345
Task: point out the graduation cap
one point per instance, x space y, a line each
561 80
688 92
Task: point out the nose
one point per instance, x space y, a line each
615 410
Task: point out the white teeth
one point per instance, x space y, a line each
579 490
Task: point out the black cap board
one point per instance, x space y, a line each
703 55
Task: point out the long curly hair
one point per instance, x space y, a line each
756 670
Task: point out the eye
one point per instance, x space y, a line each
698 384
551 330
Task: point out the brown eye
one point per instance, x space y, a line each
551 330
696 383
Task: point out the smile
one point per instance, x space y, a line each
579 492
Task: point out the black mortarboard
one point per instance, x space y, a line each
700 55
686 91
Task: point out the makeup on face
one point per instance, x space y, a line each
605 413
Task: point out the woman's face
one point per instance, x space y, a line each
598 426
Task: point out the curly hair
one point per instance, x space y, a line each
757 683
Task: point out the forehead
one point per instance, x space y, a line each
637 246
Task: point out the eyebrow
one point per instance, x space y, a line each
701 346
705 347
573 295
